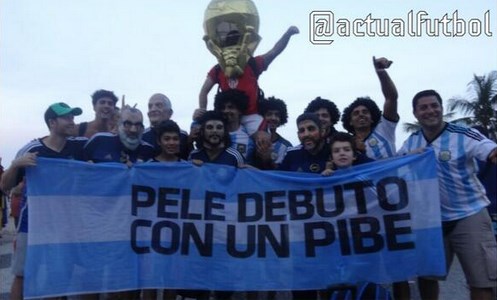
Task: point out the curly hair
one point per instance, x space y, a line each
318 103
273 103
103 94
369 104
237 97
214 115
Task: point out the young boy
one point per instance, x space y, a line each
343 153
168 139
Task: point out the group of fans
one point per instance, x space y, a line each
241 131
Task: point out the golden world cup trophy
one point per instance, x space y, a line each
231 33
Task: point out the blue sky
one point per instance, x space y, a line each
56 50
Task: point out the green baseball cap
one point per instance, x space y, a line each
61 109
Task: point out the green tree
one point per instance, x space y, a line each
481 102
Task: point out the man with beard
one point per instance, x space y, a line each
215 142
374 132
59 118
311 155
104 105
125 147
327 112
215 148
160 110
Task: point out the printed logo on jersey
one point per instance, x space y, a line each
372 142
241 148
444 155
314 168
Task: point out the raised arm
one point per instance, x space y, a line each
387 87
280 45
202 98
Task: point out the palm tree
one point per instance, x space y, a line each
481 105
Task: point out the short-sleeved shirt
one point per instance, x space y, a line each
73 149
107 147
380 143
150 137
280 146
247 82
456 148
229 157
300 160
241 141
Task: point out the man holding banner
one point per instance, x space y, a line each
310 157
59 118
465 220
125 147
216 142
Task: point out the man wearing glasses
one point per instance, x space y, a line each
125 147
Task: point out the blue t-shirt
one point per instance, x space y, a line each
107 147
73 149
150 137
300 160
229 157
279 149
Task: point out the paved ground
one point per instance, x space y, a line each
453 289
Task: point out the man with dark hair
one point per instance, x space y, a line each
104 105
215 142
310 157
125 147
59 118
215 148
465 220
275 114
168 139
327 112
159 110
374 131
232 104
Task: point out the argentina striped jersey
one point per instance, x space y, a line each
456 148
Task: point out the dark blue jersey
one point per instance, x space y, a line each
229 156
107 147
300 160
73 149
185 148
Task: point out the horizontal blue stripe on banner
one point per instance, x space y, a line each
113 266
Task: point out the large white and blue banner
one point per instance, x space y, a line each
107 227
